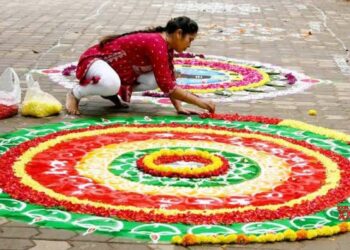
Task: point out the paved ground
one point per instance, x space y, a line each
40 34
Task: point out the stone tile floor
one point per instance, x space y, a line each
41 34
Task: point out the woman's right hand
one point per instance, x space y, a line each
209 105
185 96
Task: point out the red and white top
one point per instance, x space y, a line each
131 56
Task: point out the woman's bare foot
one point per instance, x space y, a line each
72 104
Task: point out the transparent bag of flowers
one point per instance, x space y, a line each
38 103
10 93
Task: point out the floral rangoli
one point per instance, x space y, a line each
186 180
221 79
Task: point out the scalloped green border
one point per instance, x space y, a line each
327 217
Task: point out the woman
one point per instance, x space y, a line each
137 61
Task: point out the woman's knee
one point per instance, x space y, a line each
146 81
109 80
147 78
110 84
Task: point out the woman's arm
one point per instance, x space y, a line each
163 69
181 110
177 104
180 94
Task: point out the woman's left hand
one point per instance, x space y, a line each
184 111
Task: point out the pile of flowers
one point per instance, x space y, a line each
291 235
156 163
188 55
8 111
69 70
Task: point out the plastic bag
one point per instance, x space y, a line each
38 103
10 93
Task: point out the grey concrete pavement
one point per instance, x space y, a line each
312 36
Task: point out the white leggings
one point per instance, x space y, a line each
109 82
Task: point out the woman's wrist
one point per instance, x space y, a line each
183 95
176 103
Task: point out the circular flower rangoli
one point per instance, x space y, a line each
222 79
218 179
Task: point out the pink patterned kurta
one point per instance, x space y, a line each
131 56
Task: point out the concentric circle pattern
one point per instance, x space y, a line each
242 177
186 163
201 75
222 79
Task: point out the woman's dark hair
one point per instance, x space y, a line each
186 24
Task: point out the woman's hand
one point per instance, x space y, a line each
209 105
185 96
185 111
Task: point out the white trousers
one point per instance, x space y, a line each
109 82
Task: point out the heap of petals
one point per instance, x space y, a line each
156 163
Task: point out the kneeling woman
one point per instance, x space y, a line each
140 60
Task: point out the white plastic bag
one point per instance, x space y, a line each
38 103
10 93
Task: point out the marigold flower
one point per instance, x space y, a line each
301 234
189 239
242 239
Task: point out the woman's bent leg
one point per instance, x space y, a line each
146 82
108 85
